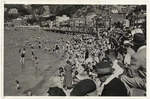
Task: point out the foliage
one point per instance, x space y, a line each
32 21
69 11
139 8
21 9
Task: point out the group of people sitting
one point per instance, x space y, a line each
110 64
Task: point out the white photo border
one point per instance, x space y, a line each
98 2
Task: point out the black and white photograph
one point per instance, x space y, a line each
75 50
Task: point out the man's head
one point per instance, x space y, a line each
138 40
84 87
103 70
56 91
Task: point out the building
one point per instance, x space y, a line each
13 11
65 24
117 17
140 18
126 23
28 17
18 22
106 21
125 8
102 21
50 23
114 10
77 22
60 19
89 20
32 27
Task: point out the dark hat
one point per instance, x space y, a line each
103 68
138 38
56 91
83 87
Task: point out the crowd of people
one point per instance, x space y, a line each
109 63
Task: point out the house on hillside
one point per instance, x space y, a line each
102 21
89 20
117 17
107 21
50 23
124 8
77 22
28 17
13 11
114 10
140 18
60 19
126 23
18 22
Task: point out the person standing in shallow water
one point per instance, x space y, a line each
40 44
22 59
32 52
36 63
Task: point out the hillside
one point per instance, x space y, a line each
59 10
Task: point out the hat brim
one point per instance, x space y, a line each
132 42
105 72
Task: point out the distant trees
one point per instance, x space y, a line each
21 9
37 9
9 17
139 8
32 21
69 11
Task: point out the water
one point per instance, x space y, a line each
26 74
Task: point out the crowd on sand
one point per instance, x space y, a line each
109 63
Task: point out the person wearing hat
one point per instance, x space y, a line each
110 84
136 77
56 91
137 30
86 87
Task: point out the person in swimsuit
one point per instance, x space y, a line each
32 52
22 56
36 63
40 44
56 48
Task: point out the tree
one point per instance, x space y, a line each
139 8
32 21
37 11
23 12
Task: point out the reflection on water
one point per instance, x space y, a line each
23 68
